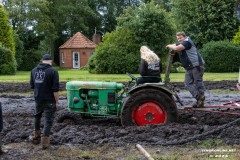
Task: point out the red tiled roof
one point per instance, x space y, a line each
78 41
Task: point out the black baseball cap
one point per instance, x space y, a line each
46 57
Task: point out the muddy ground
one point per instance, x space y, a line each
18 124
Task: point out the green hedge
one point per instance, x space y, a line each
221 56
115 55
7 62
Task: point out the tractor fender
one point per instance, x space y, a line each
158 86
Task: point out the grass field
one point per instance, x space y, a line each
83 75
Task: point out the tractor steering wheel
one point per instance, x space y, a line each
130 75
130 82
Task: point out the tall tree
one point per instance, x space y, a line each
17 11
7 45
6 33
147 25
111 9
151 25
165 4
206 20
58 20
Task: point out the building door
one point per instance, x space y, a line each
76 60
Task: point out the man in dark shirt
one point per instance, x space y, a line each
45 82
194 65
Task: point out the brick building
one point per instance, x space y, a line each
76 52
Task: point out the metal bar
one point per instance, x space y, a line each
221 112
232 102
168 67
216 106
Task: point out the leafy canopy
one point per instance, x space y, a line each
119 52
206 20
7 45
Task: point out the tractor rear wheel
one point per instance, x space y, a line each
68 118
148 106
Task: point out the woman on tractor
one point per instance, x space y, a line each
150 67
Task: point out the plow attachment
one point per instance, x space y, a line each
232 108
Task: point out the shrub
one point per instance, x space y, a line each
115 55
177 67
236 38
91 64
221 56
7 62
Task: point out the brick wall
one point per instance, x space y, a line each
84 55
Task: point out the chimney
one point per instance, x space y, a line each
96 38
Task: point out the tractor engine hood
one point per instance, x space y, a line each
75 85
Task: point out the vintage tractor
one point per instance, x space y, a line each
131 104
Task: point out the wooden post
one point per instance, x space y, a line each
144 152
168 68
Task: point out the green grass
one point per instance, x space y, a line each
126 152
83 75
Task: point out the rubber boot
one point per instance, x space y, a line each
201 102
45 142
36 137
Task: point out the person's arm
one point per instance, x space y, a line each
56 96
31 81
55 88
175 47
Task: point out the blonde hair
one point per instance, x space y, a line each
148 55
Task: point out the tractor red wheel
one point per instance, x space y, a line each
148 106
149 113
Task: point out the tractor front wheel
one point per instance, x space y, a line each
148 106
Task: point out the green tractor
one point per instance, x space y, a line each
149 103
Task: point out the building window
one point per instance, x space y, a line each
62 57
91 53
